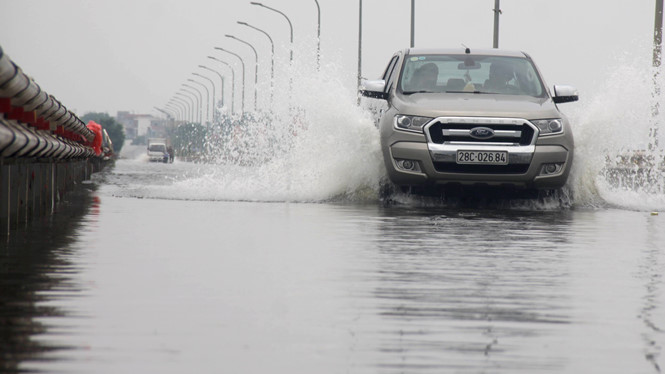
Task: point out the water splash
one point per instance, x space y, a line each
616 162
315 145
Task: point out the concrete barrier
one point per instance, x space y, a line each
45 149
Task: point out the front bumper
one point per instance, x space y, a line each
158 157
415 160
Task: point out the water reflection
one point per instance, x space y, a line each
36 269
467 290
330 288
650 271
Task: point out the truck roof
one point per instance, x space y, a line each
462 51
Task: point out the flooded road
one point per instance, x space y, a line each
134 274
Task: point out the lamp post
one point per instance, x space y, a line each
287 19
657 56
233 82
413 23
221 79
497 12
178 110
360 43
190 104
171 112
183 106
207 95
176 104
272 59
256 67
195 100
168 112
195 91
658 34
242 63
318 36
214 112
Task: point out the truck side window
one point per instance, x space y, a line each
389 74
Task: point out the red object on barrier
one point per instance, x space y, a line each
30 118
96 128
15 113
5 104
43 124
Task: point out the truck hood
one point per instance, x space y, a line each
475 105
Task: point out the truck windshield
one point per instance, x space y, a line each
157 148
469 73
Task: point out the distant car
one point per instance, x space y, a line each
472 117
158 150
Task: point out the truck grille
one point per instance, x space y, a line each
504 134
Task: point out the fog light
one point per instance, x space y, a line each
549 169
408 165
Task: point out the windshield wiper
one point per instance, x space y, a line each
414 92
473 92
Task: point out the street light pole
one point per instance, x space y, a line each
221 78
190 104
161 110
413 22
181 107
360 44
174 111
318 36
184 106
171 115
242 63
194 104
207 98
256 67
657 55
214 112
199 100
287 19
272 59
233 82
658 34
497 12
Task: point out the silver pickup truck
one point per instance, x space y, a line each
482 117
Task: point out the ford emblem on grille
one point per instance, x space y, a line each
481 133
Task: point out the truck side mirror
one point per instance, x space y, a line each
374 89
565 94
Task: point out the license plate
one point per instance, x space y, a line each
482 157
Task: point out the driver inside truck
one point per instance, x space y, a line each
425 77
500 74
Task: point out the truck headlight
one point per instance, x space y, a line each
549 126
410 123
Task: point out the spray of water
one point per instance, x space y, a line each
617 162
314 144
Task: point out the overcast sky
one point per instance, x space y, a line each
110 55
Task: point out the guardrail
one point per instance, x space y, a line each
45 149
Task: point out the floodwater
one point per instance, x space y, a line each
280 258
116 282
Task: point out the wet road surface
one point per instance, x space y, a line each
130 277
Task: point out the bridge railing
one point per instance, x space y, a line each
45 149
